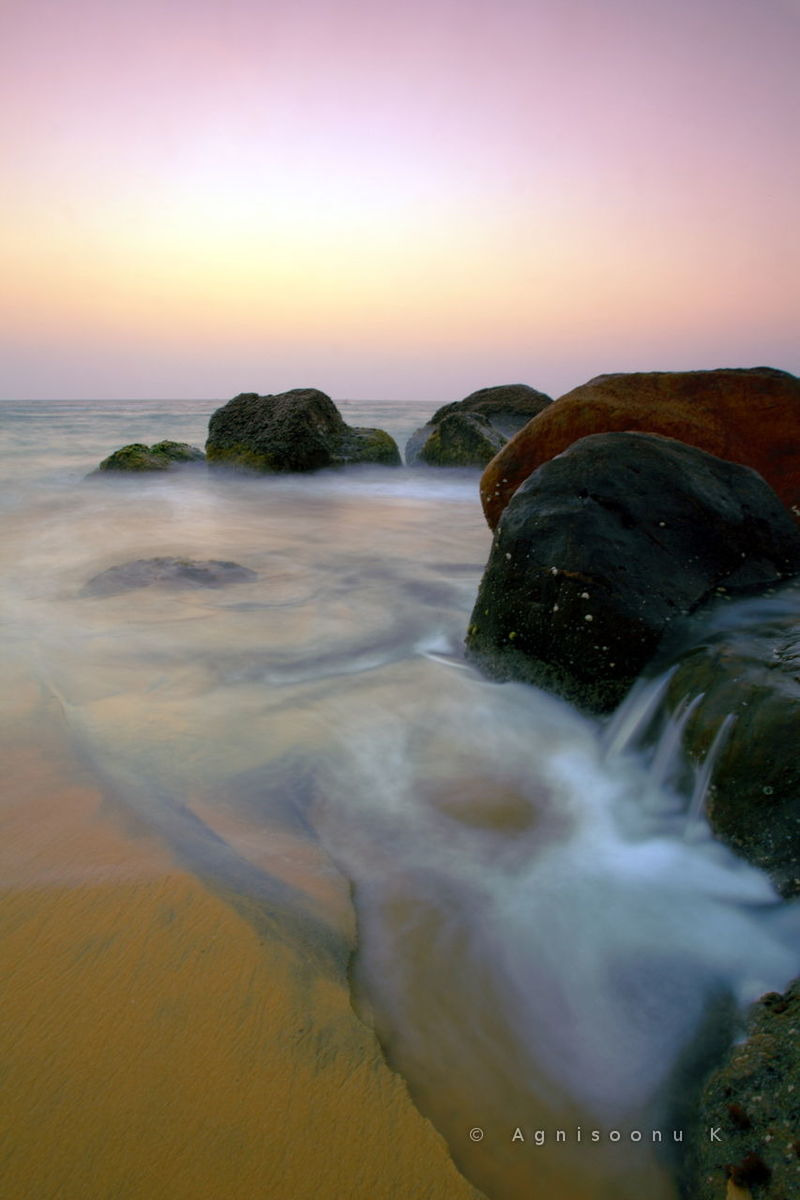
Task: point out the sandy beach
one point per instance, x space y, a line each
154 1044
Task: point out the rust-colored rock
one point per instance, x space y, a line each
748 416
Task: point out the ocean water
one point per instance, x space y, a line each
538 942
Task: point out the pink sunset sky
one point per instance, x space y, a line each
394 202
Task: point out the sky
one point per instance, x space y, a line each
403 201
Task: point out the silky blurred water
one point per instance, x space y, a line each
530 956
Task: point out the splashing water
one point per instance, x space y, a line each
541 945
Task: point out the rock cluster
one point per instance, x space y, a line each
745 416
619 511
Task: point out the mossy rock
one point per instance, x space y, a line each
364 445
507 408
160 457
299 430
462 440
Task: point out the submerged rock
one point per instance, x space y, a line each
160 457
507 408
753 1103
167 573
745 416
300 430
607 544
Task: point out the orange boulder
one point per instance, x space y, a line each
748 416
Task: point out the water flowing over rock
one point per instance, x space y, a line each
167 573
589 942
160 457
607 544
744 669
753 1104
507 408
299 430
746 416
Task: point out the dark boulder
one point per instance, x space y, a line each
461 440
167 573
300 430
753 1103
749 416
603 547
160 457
506 407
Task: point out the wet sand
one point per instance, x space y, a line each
155 1044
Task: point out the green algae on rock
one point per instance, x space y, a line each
299 430
160 457
461 439
365 445
507 407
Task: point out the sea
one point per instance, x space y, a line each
533 930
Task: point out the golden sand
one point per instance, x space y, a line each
154 1044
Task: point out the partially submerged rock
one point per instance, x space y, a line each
300 430
753 1103
745 416
744 673
167 573
604 546
160 457
507 408
461 440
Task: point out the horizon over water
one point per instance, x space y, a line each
300 767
